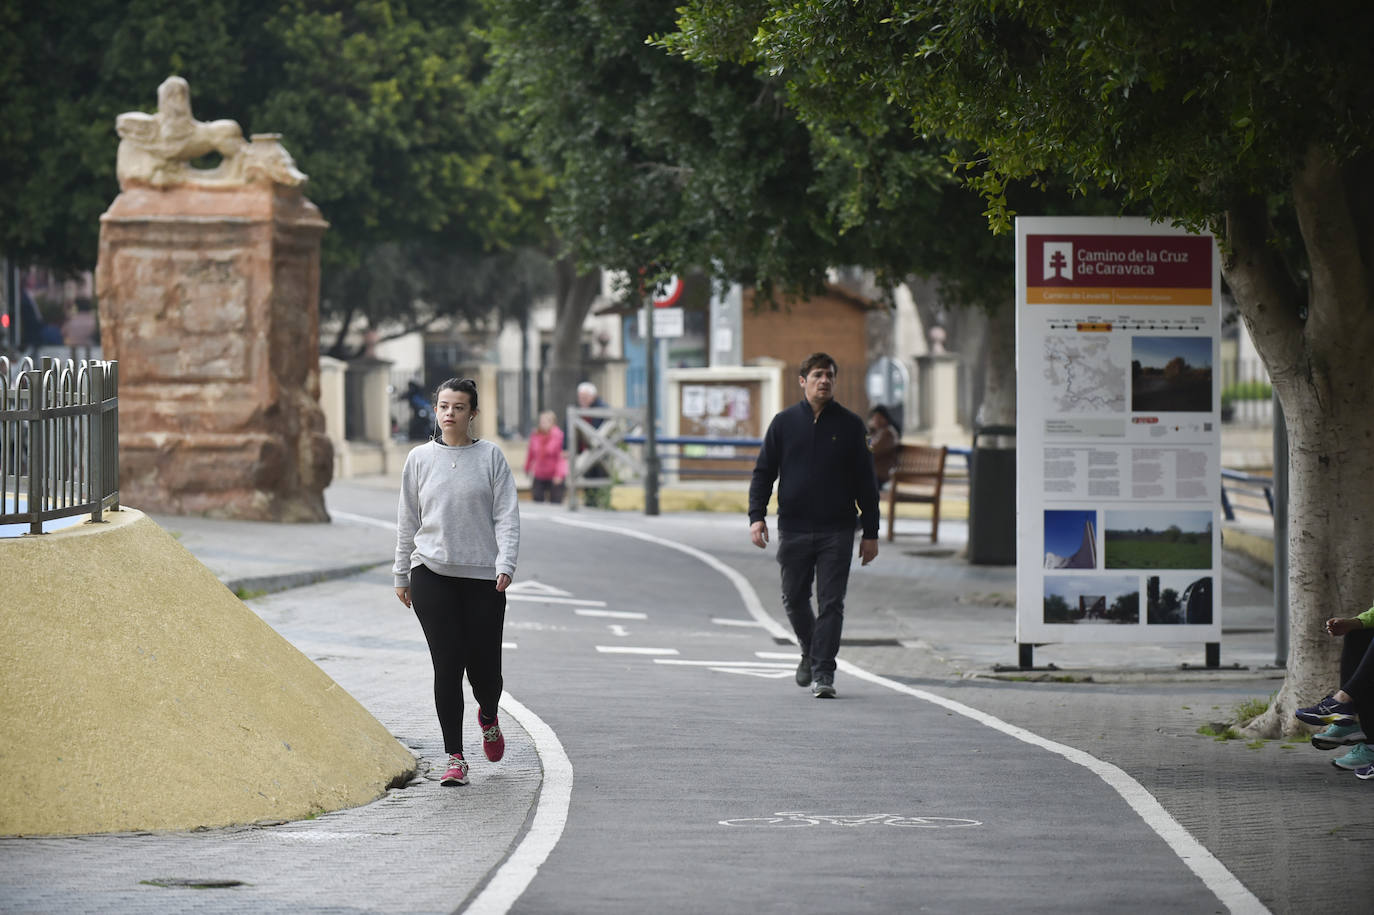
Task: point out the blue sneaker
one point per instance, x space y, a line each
1338 735
1328 711
1359 756
1365 772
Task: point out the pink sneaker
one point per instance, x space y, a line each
493 742
457 773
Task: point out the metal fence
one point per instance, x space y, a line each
1246 395
59 440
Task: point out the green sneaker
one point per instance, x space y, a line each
1359 756
1338 735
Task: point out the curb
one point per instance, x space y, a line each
257 585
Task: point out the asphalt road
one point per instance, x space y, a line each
691 743
699 777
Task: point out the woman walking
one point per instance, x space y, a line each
457 538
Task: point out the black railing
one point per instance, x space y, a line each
1244 491
59 441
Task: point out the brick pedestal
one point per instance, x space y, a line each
209 299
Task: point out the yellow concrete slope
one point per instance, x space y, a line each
137 692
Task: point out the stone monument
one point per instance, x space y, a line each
208 282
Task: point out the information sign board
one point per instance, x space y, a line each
1118 432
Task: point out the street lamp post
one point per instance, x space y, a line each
650 411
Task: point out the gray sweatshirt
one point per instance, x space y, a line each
457 513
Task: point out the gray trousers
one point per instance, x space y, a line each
823 558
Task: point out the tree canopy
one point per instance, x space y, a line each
1252 119
1181 106
660 162
377 100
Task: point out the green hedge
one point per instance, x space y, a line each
1247 390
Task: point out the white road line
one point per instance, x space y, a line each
1232 893
777 655
721 621
364 519
511 645
618 630
614 614
546 827
630 649
546 599
753 664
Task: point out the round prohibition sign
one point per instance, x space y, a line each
787 819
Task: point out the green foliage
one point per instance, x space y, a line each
1158 552
657 162
1182 107
1219 731
662 162
1246 390
375 99
1252 708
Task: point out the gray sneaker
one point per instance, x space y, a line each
824 687
804 672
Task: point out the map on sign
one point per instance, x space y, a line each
1081 375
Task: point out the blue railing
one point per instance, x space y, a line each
703 448
1239 491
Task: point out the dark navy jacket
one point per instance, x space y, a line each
823 468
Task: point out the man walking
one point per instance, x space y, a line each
818 452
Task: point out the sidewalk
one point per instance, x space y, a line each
1275 813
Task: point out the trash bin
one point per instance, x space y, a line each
992 500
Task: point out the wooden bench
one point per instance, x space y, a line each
918 476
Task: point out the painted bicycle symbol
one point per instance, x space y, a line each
785 819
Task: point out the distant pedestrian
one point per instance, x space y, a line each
884 440
80 328
588 398
545 463
817 452
1350 709
457 539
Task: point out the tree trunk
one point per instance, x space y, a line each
576 292
1320 356
998 406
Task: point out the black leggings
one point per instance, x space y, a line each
462 619
1357 673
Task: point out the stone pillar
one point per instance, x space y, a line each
209 299
938 388
332 404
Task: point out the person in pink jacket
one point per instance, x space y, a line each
545 462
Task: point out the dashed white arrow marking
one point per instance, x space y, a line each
553 599
746 668
537 587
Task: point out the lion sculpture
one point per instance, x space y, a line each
157 149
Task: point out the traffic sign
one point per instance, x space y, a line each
672 291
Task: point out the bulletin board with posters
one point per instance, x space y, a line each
725 410
1118 432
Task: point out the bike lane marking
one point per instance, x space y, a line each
546 828
1194 855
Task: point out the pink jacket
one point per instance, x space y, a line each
545 459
